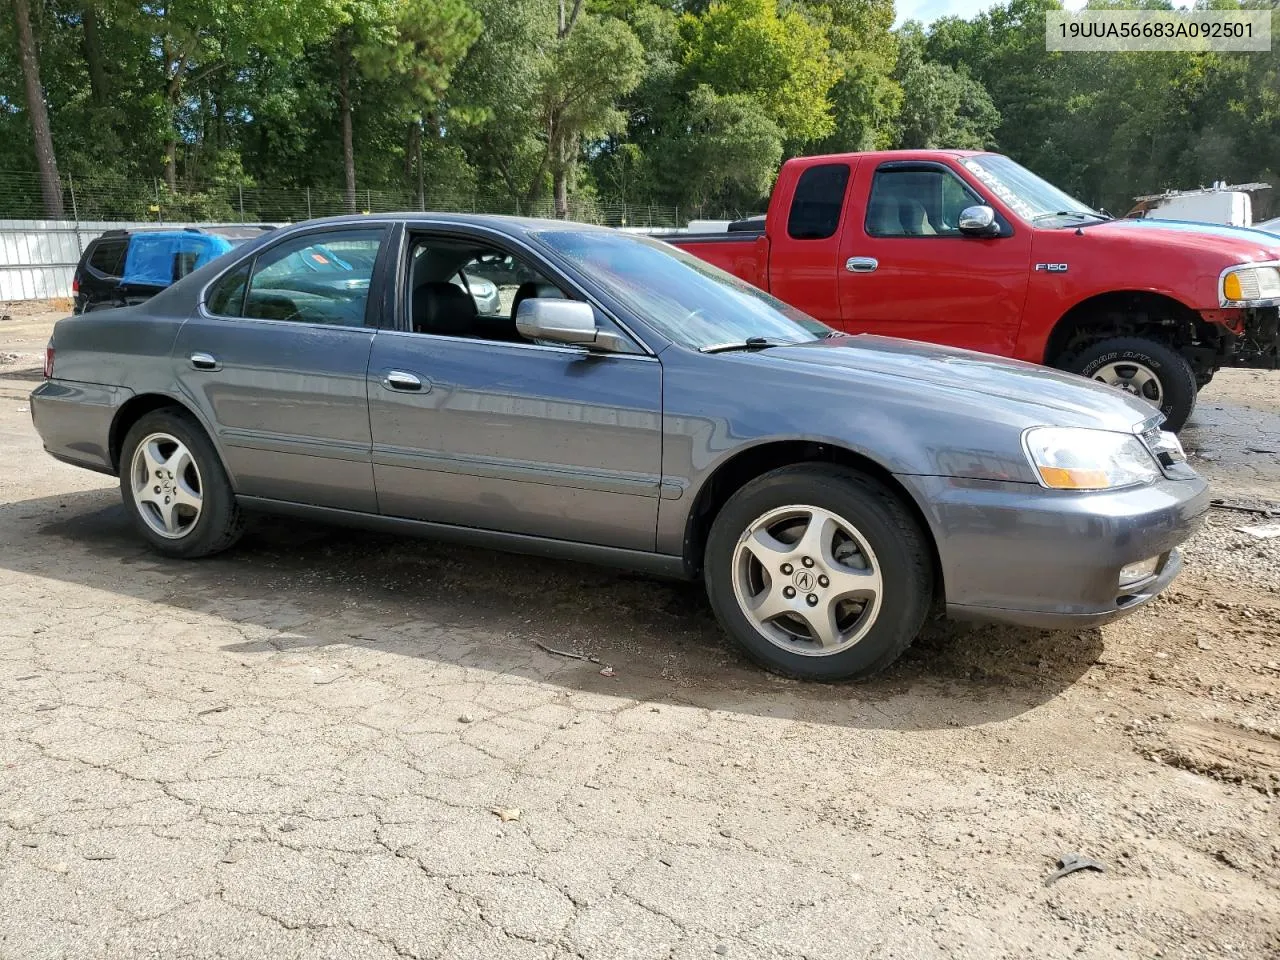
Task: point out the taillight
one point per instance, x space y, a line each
75 285
48 360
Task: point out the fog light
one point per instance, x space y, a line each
1137 572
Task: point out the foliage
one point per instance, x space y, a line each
688 103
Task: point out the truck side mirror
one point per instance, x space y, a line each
978 221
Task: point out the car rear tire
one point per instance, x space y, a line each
175 488
1146 368
819 572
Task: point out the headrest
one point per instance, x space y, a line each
532 289
443 308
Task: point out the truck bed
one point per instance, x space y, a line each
743 253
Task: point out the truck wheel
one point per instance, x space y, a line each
819 572
175 488
1148 369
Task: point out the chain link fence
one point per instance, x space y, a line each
117 199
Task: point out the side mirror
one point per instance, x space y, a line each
564 321
978 221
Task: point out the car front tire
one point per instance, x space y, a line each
1148 369
819 572
175 488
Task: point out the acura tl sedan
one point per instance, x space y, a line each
632 406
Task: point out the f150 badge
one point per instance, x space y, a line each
1051 267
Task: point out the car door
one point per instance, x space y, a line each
908 271
276 356
474 425
804 265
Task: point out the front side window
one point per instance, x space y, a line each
316 278
815 209
465 288
684 298
917 202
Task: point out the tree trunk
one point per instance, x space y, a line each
50 188
561 177
413 157
344 108
99 85
173 92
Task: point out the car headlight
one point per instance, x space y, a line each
1079 458
1250 284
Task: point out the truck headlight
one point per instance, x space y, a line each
1250 284
1079 458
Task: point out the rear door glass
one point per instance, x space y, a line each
815 209
107 257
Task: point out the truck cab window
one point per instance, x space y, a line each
815 210
917 203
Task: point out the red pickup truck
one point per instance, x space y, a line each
972 250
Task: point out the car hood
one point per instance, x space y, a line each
1022 391
1236 244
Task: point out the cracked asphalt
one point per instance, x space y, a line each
329 744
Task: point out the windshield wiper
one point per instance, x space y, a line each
751 343
1068 213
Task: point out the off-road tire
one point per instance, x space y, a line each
1172 369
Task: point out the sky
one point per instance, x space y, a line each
929 10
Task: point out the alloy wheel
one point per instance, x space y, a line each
808 580
166 483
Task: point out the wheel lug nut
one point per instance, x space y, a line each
812 599
807 561
823 582
788 592
157 489
786 569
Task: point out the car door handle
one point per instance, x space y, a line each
400 380
861 264
205 361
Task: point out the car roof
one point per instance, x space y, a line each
506 224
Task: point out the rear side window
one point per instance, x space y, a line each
815 211
107 257
316 278
227 297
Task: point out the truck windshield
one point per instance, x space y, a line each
686 299
1031 198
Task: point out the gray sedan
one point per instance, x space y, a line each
632 406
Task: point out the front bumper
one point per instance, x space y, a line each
1256 345
1019 553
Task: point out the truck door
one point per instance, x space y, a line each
907 271
804 255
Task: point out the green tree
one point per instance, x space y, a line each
593 62
941 106
780 58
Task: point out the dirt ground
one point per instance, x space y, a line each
330 744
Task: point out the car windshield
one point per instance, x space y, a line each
686 299
1030 197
